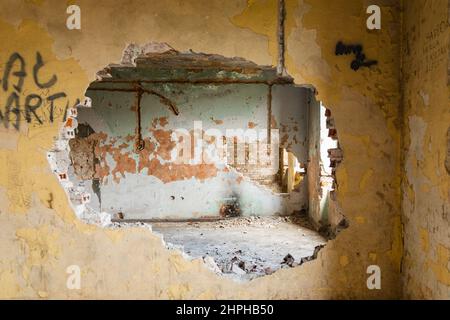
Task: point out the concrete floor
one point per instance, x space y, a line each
245 248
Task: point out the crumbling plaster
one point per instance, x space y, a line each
40 234
426 182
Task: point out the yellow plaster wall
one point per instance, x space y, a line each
40 235
426 183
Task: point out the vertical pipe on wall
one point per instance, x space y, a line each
281 45
269 120
138 141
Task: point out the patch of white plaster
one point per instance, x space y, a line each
418 128
304 41
425 98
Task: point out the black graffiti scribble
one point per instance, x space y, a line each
51 99
357 50
16 68
21 74
13 99
31 107
39 64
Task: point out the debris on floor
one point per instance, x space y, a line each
230 208
245 247
211 264
288 260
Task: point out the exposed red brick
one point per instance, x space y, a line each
252 125
165 143
69 123
273 122
163 121
174 172
144 155
124 163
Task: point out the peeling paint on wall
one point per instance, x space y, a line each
426 201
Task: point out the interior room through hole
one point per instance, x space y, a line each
225 158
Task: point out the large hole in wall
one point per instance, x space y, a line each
223 158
